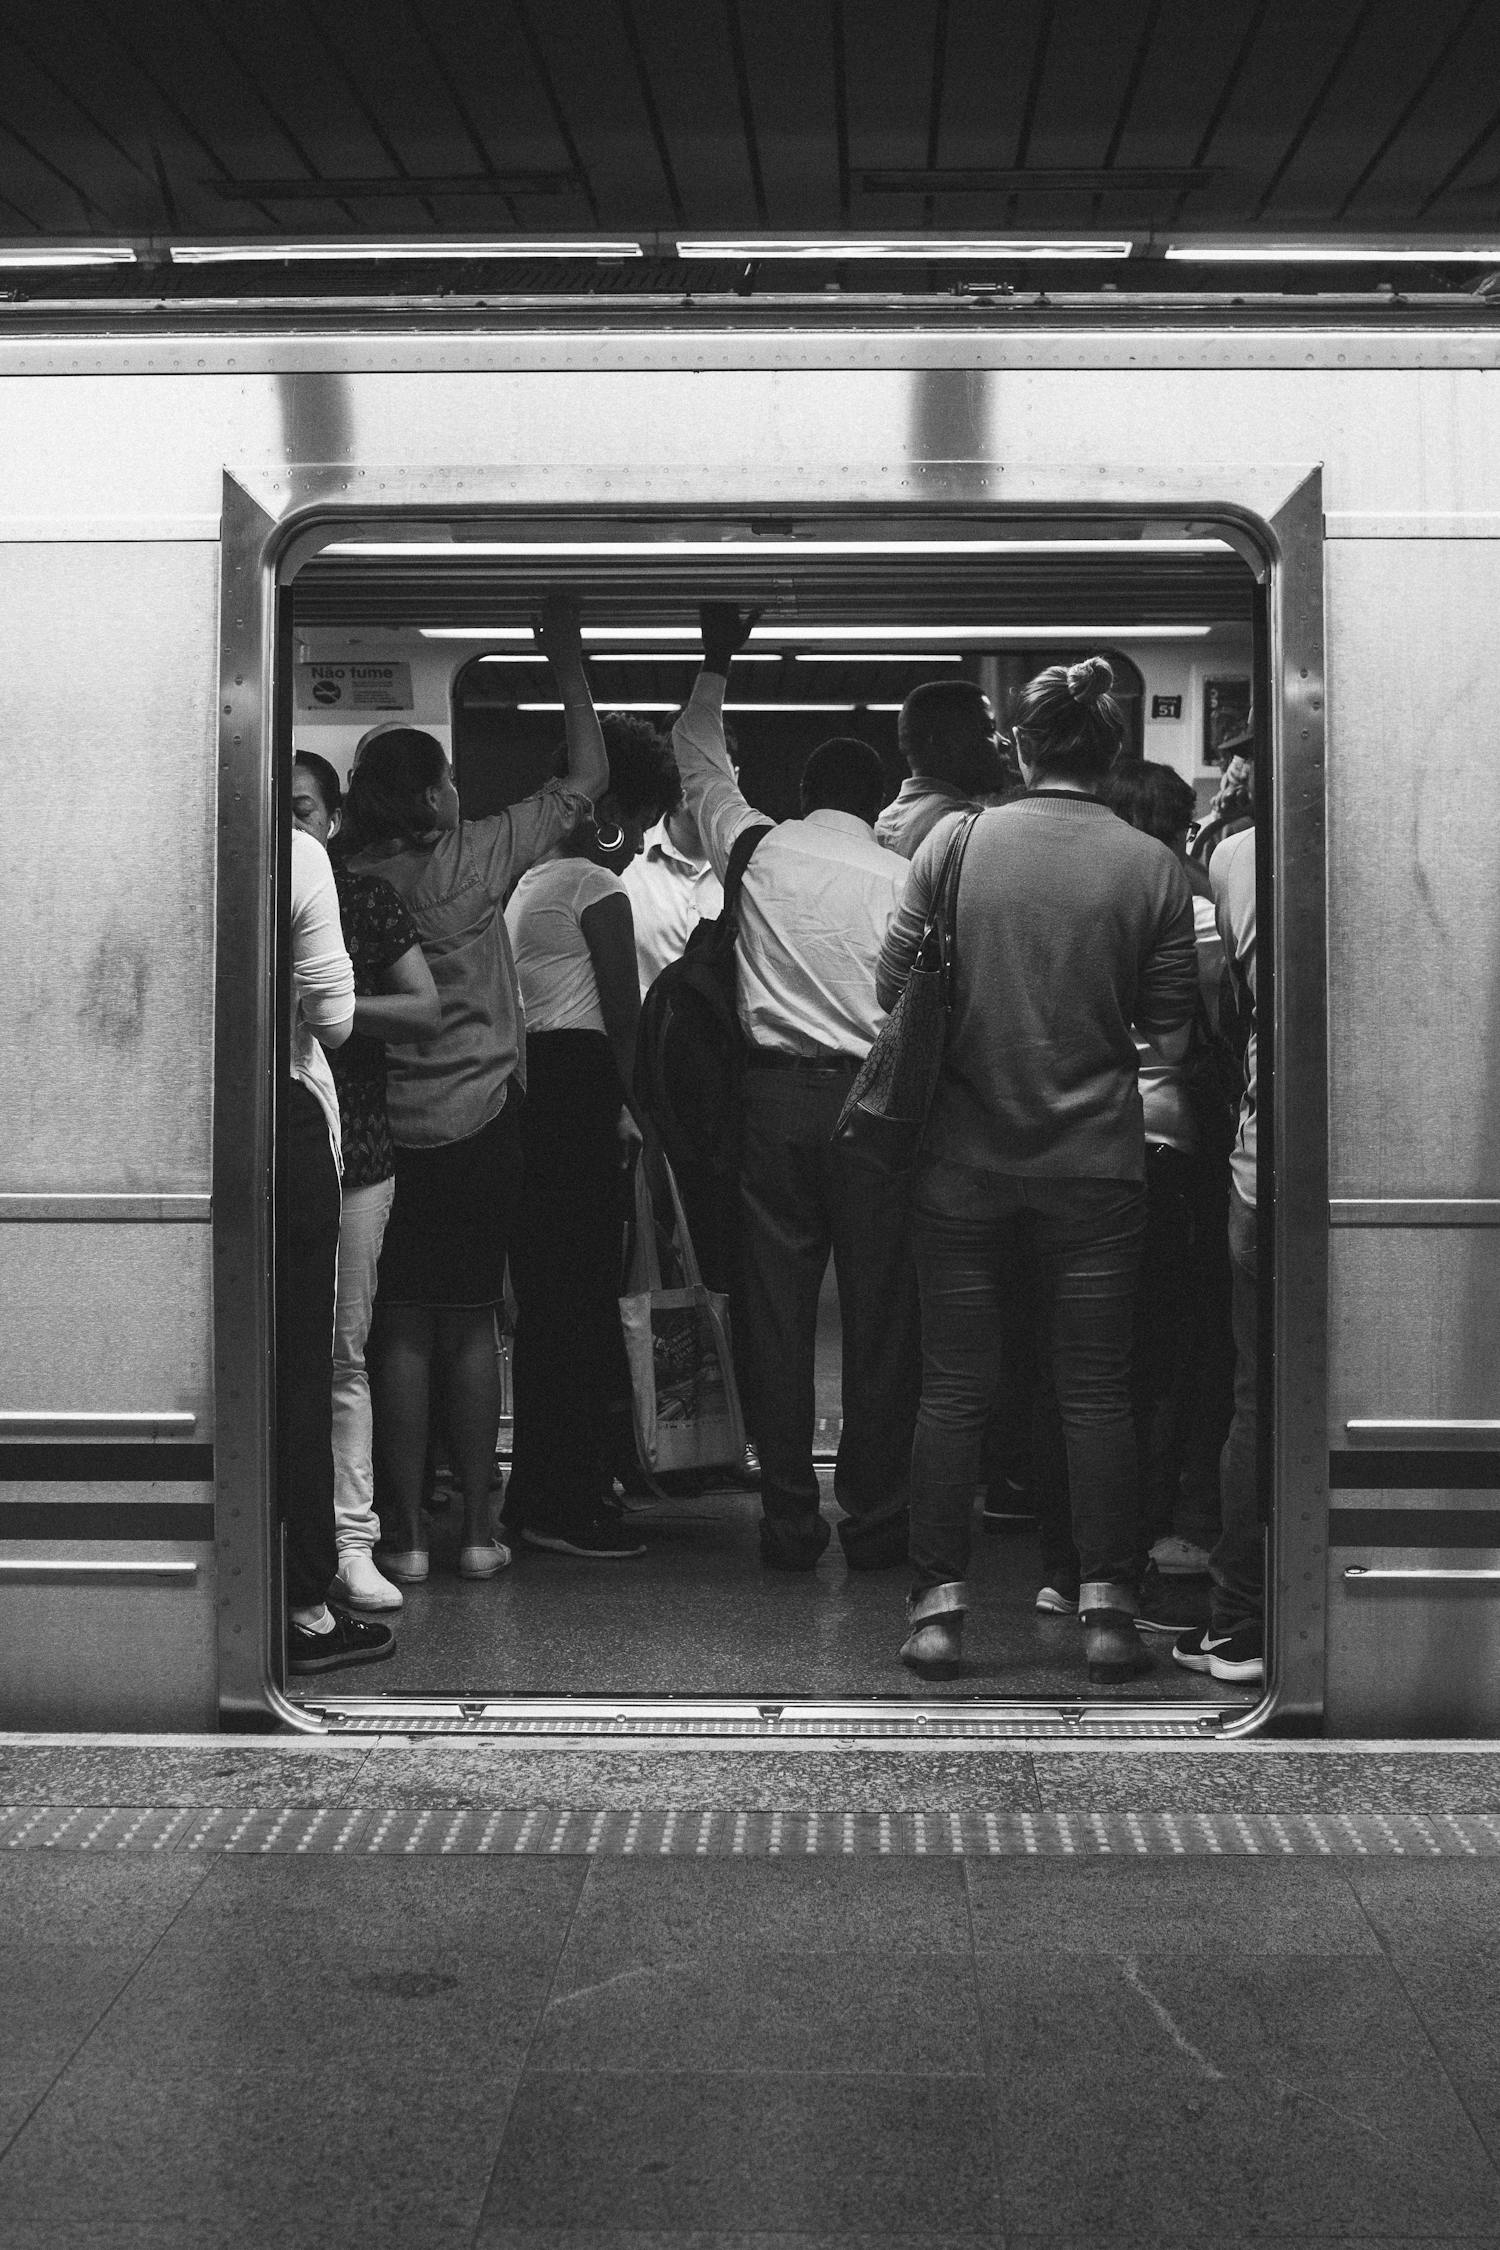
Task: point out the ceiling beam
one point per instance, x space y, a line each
1034 179
397 184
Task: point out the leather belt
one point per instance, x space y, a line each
781 1058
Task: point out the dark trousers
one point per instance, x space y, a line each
1237 1564
307 1251
972 1230
800 1199
568 1368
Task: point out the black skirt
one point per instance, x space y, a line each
450 1224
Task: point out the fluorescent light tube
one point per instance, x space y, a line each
927 247
1261 252
975 634
966 635
749 549
290 250
18 254
827 710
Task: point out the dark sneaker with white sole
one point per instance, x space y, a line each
1172 1605
602 1537
1238 1656
353 1640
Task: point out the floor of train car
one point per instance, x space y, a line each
699 1615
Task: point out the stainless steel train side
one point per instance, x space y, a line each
163 478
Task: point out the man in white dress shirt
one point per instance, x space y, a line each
819 894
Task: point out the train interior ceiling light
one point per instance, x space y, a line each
928 249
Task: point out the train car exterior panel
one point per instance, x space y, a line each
319 434
1414 907
106 1017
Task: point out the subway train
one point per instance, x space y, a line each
229 529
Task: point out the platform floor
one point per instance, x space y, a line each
699 1614
227 2031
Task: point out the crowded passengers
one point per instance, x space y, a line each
1056 1300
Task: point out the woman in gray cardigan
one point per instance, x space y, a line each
1071 930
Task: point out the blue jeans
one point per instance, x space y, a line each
1237 1565
971 1229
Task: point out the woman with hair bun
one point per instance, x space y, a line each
452 1100
1070 928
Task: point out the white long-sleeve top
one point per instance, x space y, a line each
818 897
322 976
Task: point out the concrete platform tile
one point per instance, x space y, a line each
50 2000
119 1901
1458 2000
1266 1777
1448 1907
213 1773
1202 1906
1111 2238
629 2238
756 2012
638 1911
1155 2096
361 2103
599 1777
377 1905
719 2153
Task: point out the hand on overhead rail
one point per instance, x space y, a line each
558 632
725 631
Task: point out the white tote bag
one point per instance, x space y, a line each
686 1402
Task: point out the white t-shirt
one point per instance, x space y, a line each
553 962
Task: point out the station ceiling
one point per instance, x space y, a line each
1368 124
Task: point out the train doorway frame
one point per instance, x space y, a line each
273 523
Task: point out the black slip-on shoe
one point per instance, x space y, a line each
354 1640
1172 1605
602 1538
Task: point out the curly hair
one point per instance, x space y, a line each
643 776
1151 797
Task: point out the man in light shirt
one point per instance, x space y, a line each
672 888
946 732
818 897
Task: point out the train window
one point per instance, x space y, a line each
848 628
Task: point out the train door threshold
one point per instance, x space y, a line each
718 1721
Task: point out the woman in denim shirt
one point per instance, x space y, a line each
453 1100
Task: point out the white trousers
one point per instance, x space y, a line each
361 1232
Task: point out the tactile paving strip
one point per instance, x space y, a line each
547 1831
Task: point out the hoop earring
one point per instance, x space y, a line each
603 843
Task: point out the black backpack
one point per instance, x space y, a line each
690 1051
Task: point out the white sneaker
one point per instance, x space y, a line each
360 1584
482 1562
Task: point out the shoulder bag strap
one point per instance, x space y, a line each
942 914
734 874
